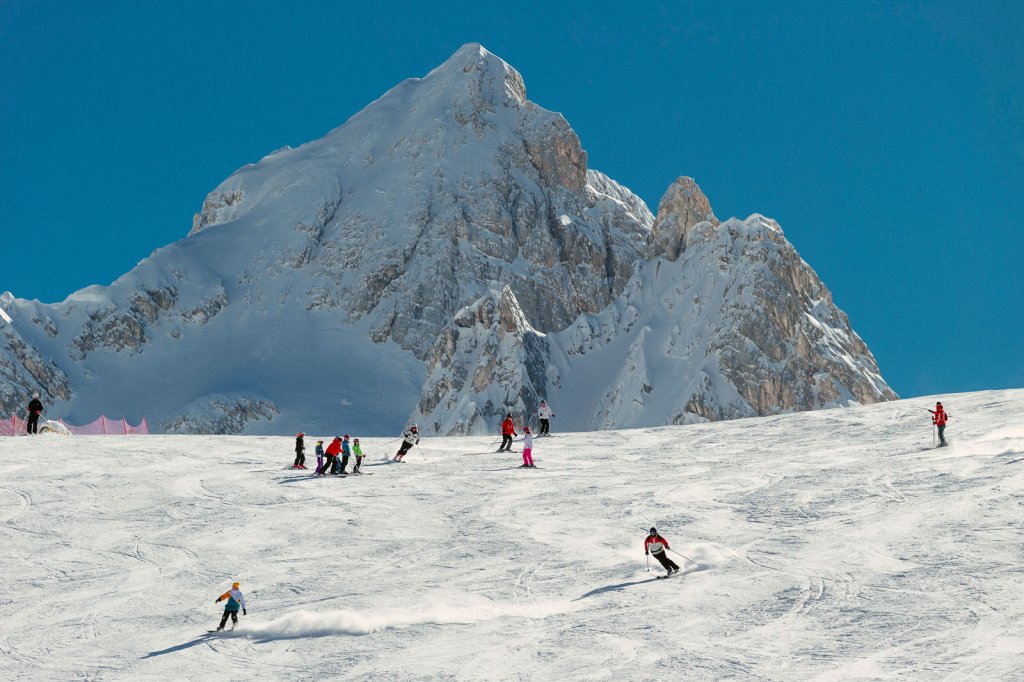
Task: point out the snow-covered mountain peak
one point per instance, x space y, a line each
682 207
448 254
495 78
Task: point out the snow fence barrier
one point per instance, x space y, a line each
104 426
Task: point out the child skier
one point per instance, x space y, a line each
300 452
656 545
508 429
235 601
346 452
409 438
358 452
527 447
319 456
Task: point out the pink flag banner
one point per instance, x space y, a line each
104 426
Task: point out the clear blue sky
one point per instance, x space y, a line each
886 138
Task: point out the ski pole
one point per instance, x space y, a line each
933 434
685 557
420 450
648 563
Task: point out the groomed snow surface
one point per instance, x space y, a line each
831 545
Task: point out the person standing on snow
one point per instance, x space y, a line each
34 408
346 452
358 452
319 456
939 418
527 447
544 414
656 545
235 601
300 452
331 457
409 438
508 429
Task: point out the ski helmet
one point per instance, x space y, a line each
300 434
235 585
414 427
526 429
654 531
35 394
346 436
938 404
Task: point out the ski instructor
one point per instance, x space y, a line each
236 600
656 545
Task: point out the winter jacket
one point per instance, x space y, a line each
319 451
235 600
656 544
544 412
35 407
335 447
357 450
939 416
508 428
527 441
345 449
300 445
411 437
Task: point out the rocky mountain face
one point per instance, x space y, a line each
445 255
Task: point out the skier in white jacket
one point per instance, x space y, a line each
544 414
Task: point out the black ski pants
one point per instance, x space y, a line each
545 424
359 461
506 442
344 464
942 437
665 561
33 423
224 619
328 464
300 458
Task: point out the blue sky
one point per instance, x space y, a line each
886 138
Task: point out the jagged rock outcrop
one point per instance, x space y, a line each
683 206
488 361
219 414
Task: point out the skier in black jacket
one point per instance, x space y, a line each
300 452
34 408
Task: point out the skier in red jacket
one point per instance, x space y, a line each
656 545
331 457
939 418
508 429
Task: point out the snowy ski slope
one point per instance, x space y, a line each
832 545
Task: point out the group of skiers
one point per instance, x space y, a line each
334 460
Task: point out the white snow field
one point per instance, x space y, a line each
831 545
